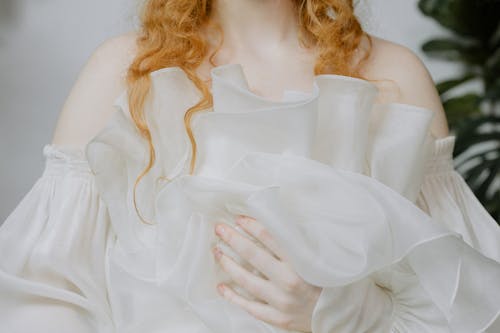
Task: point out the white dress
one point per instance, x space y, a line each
364 201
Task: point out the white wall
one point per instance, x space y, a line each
44 44
400 21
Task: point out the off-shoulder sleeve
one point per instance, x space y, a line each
53 250
446 197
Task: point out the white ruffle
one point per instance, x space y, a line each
333 176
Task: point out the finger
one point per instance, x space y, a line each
257 286
261 259
259 310
257 230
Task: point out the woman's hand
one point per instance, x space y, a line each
287 300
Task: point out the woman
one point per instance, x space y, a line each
339 206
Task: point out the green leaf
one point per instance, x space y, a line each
472 18
474 124
492 74
494 41
458 108
467 142
488 182
447 85
492 205
472 174
450 49
493 61
493 90
482 155
472 131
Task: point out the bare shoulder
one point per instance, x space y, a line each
404 78
89 104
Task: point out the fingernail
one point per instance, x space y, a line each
240 219
220 288
219 229
217 252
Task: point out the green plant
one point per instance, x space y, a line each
474 118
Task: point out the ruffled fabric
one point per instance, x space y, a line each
332 175
52 252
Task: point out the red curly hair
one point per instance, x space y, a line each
171 34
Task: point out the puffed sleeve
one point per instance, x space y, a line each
53 251
446 197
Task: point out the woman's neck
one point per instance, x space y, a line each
258 27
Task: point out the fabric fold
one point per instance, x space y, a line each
333 176
449 200
315 214
52 251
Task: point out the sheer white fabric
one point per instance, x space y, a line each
52 252
446 196
359 195
448 199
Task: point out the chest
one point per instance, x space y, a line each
274 76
